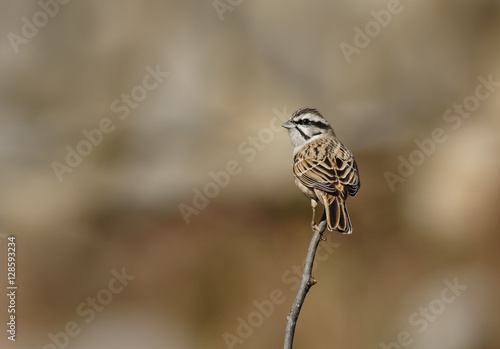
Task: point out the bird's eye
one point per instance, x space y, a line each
306 122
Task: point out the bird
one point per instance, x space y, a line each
325 170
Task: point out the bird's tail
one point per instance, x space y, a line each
337 216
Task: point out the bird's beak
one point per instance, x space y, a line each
288 124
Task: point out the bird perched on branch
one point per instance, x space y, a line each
324 169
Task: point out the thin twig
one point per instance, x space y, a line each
305 284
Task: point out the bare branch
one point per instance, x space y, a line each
305 284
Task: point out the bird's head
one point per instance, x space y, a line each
305 125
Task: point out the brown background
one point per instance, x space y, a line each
120 207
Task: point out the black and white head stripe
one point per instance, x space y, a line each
309 116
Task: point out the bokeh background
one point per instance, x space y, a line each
233 73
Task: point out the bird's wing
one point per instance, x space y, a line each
335 173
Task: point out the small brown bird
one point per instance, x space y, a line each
324 169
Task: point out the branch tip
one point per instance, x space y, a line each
305 283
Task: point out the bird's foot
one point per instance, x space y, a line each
314 226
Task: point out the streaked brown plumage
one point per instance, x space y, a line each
324 169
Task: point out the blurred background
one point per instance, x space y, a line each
150 188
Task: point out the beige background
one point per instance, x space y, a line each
119 208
